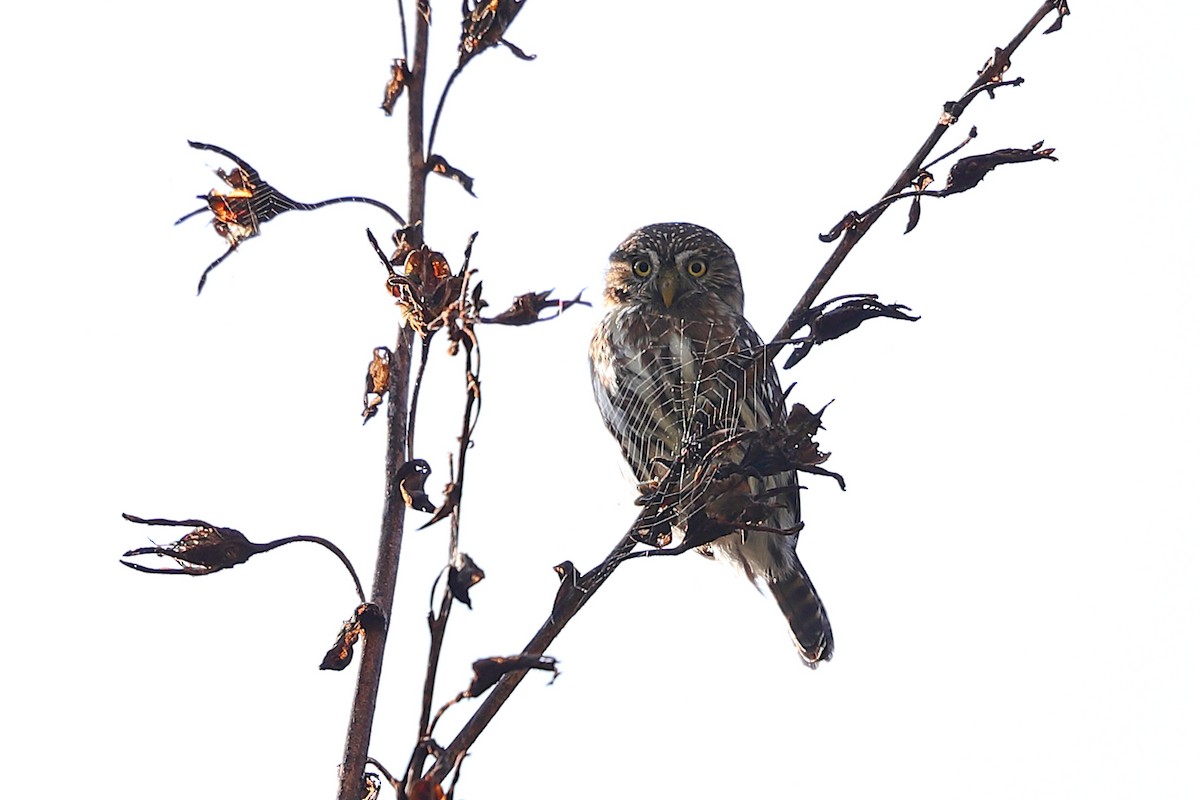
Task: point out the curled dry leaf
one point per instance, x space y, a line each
968 172
377 382
526 308
412 476
371 786
451 494
782 448
483 26
367 617
426 289
440 166
395 85
490 670
464 574
847 223
568 577
828 321
1063 11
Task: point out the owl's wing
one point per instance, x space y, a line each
635 379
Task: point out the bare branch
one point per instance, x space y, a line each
990 75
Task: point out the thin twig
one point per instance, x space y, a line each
328 545
403 28
416 395
437 114
851 237
438 623
391 212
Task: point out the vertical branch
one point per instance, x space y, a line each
387 564
416 127
438 624
383 586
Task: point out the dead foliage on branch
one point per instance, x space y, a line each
718 484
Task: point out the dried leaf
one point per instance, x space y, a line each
377 382
395 85
968 172
526 308
846 317
342 653
847 223
440 166
464 574
366 618
782 448
826 323
1063 11
447 507
490 670
914 215
426 789
483 26
411 476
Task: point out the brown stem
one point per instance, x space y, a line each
362 711
328 545
416 126
383 587
795 319
437 625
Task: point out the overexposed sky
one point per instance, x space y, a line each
1010 575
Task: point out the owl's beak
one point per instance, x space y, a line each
668 284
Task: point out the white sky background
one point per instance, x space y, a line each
1011 574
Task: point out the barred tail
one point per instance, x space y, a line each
805 616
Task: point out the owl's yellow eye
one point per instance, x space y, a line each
641 268
696 268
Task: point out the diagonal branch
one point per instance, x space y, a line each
573 593
989 77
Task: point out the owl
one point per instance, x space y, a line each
675 366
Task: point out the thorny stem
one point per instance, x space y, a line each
362 712
851 237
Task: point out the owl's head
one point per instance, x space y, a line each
674 268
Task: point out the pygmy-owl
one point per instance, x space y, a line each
675 365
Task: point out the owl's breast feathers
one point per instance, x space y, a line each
658 378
